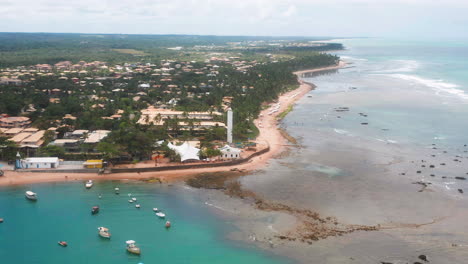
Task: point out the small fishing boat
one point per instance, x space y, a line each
1 220
132 248
137 206
117 190
130 201
63 243
104 232
134 199
155 209
89 184
95 210
168 224
31 195
160 214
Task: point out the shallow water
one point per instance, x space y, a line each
359 164
31 229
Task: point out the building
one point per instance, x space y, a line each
14 122
96 136
70 145
93 164
228 152
151 115
40 163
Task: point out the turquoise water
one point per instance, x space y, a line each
32 229
414 92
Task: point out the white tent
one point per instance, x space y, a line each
185 151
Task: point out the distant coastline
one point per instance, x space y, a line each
268 134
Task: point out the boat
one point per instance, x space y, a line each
130 201
168 224
104 232
137 206
134 199
117 190
1 220
155 209
95 210
63 243
89 184
132 248
160 214
31 195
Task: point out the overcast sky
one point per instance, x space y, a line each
372 18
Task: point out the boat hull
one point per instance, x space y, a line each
134 250
31 198
105 235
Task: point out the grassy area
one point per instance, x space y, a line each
285 113
131 51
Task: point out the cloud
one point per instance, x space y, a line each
234 17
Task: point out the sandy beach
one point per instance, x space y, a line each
269 134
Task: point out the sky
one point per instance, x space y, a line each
336 18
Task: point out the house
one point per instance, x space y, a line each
40 163
228 152
96 136
14 121
70 145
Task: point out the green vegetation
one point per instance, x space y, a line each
251 73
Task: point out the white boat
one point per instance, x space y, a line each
31 195
134 199
130 201
160 214
168 224
104 232
132 248
89 184
117 190
155 209
137 206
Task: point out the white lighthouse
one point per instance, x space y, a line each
229 126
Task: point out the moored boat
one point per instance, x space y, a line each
134 199
89 184
168 224
137 206
95 210
31 195
1 220
63 243
155 209
160 214
104 232
117 190
130 201
132 248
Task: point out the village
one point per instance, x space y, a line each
28 139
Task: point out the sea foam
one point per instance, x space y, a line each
439 86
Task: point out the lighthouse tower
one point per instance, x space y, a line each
229 126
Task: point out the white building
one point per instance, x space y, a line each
228 152
40 163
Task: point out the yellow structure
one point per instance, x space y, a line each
93 164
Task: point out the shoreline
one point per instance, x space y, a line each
269 133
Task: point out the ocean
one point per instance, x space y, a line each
370 135
63 212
